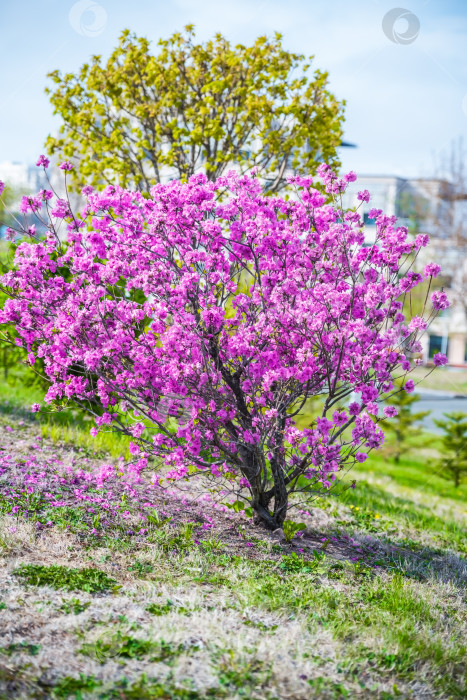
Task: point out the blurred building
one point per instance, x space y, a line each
427 205
21 177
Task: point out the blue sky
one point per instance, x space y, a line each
405 103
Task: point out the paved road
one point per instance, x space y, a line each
438 402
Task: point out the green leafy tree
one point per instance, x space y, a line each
7 199
140 118
403 427
9 355
455 443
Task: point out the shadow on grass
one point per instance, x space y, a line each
382 553
395 510
19 412
422 564
370 540
71 417
16 411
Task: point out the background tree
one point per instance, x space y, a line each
455 443
403 426
141 118
8 195
10 356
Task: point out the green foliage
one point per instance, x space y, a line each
365 519
56 576
293 564
194 106
160 609
74 687
8 198
25 647
125 646
403 426
183 540
240 506
150 689
141 568
454 462
291 528
329 687
240 674
154 519
73 605
10 355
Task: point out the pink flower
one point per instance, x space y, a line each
133 448
417 323
422 240
439 359
42 160
31 204
431 270
36 407
339 418
2 187
66 165
363 196
361 456
390 411
137 430
440 300
350 177
409 386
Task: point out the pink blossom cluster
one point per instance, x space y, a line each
200 319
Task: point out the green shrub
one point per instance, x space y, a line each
89 580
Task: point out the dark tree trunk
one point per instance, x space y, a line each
261 498
274 520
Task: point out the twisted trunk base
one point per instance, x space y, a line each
253 471
260 505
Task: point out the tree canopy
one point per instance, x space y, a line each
142 317
141 119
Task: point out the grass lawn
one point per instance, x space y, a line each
444 379
370 602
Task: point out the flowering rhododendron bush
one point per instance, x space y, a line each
199 321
